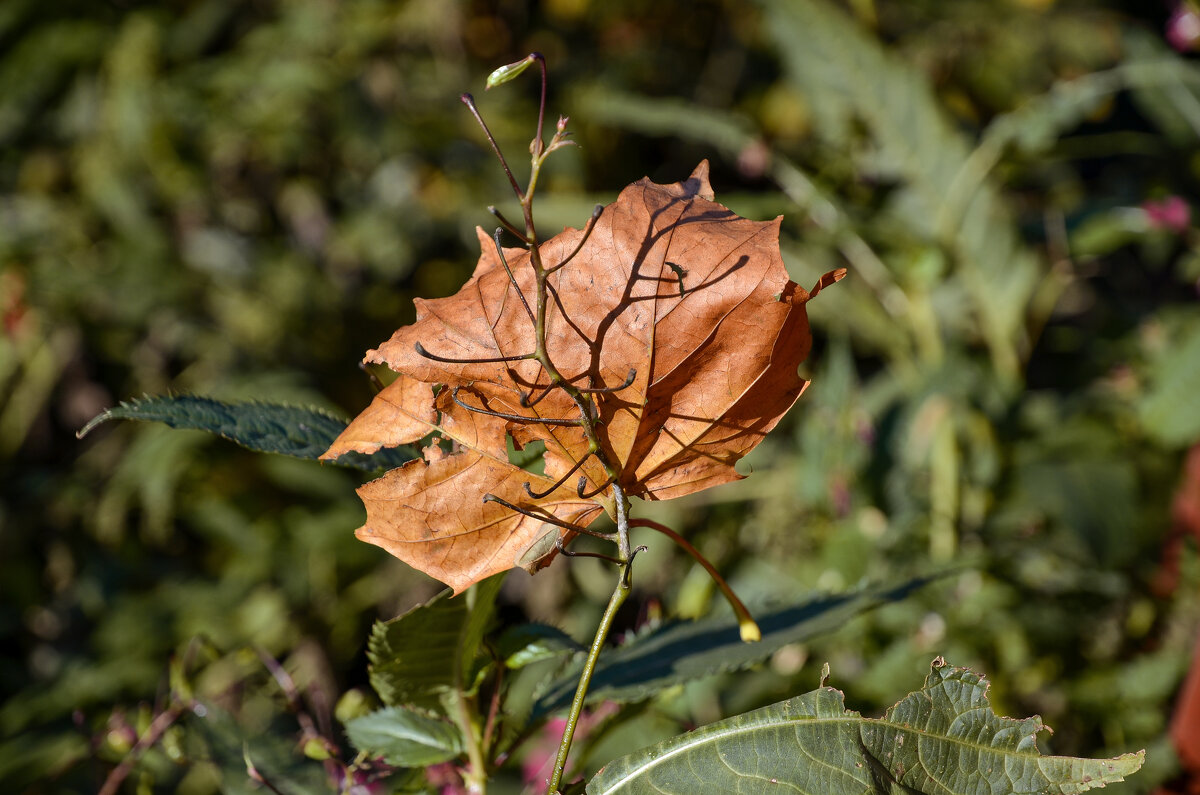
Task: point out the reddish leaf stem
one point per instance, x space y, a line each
747 626
158 727
469 101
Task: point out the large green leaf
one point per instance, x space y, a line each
405 738
686 650
942 739
263 427
431 650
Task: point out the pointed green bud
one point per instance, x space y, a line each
509 71
315 748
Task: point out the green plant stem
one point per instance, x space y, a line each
619 595
585 403
462 713
475 776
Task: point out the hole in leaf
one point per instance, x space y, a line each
530 458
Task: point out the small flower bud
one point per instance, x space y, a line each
1183 28
509 71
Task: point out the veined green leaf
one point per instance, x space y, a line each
683 651
529 643
262 427
405 738
430 650
942 739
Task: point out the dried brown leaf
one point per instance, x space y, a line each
431 513
691 297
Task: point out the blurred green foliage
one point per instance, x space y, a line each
237 198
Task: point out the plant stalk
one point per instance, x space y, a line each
475 776
619 595
583 400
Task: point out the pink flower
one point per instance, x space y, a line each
447 777
1183 27
362 781
1171 214
539 761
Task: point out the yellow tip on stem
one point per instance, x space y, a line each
747 627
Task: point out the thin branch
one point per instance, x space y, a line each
421 350
512 417
489 726
587 232
158 727
469 101
558 483
511 278
547 518
537 151
603 390
529 402
622 506
255 774
562 547
508 224
583 483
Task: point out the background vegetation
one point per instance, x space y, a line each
238 197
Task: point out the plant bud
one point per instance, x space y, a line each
509 71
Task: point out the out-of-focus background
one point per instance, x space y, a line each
237 198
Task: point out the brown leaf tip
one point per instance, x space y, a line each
826 280
697 184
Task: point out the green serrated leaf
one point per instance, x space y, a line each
262 427
526 644
431 650
684 651
481 600
408 655
942 739
405 738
